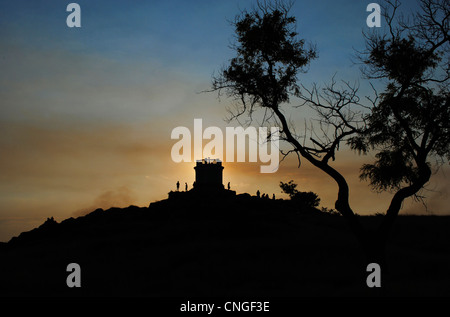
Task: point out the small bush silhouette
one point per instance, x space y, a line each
304 199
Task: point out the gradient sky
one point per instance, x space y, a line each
86 113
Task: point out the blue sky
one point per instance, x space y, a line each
123 43
86 113
192 35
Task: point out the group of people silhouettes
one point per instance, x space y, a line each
264 196
258 193
186 186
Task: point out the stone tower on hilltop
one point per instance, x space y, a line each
208 174
208 185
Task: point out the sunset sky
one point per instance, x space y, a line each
86 113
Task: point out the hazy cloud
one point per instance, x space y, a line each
120 197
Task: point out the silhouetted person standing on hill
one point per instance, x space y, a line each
258 193
273 196
178 186
229 186
186 186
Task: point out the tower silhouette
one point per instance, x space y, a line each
209 174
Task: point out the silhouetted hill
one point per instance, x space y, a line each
220 246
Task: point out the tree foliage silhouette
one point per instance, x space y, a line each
304 199
289 188
410 123
406 126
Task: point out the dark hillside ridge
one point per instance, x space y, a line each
233 245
